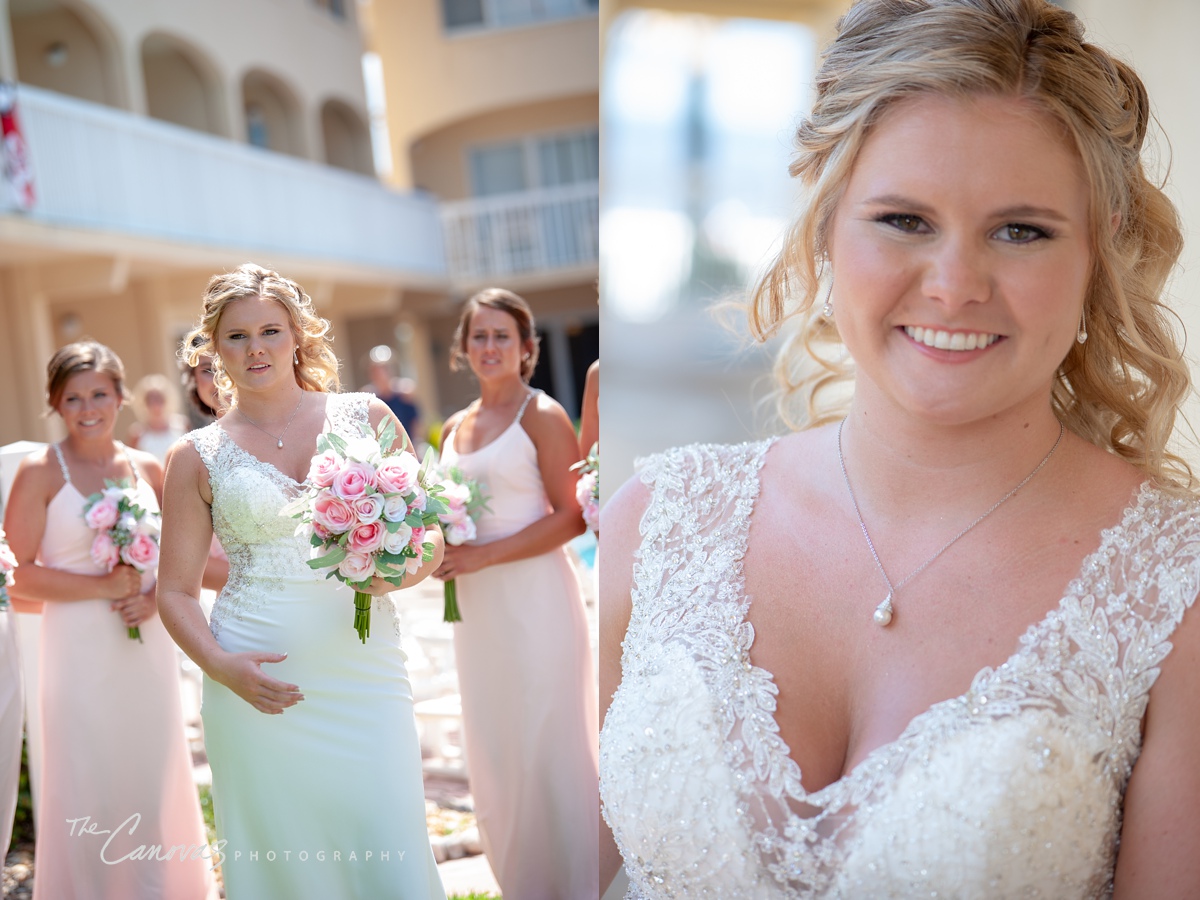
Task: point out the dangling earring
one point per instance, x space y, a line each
827 307
295 357
1081 335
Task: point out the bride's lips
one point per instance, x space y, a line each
950 345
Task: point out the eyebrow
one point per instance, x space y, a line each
234 328
1021 210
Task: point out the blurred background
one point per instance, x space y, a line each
699 101
393 156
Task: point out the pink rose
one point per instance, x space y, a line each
397 474
396 541
412 563
368 508
323 468
321 531
8 559
419 500
395 508
357 567
591 514
103 514
353 479
456 495
332 513
417 539
104 552
141 552
366 538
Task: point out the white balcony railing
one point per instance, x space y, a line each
106 169
515 234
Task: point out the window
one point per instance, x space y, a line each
534 162
476 14
336 8
256 126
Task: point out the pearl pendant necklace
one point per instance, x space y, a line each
279 439
885 611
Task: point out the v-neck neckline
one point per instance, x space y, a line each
270 465
1142 494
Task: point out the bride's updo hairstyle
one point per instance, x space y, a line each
1121 389
82 356
318 368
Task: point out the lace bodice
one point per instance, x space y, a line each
248 494
1012 789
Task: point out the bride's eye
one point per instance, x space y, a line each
1016 233
903 222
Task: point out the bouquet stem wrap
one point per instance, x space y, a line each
362 615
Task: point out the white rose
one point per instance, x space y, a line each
394 508
395 541
460 532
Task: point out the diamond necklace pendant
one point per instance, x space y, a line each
883 612
280 444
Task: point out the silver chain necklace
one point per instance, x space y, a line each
278 440
885 610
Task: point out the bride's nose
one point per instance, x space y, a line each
957 274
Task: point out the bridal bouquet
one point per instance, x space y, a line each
8 562
587 488
465 503
367 510
125 531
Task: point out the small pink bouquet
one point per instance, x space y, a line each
368 511
125 531
587 488
465 503
8 562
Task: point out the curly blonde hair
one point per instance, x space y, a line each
1121 390
318 366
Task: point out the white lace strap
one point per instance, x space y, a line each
207 441
62 463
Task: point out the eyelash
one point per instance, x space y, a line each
1036 232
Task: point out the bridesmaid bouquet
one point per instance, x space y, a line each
367 511
465 503
8 562
587 488
125 531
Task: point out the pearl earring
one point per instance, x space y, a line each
1081 335
295 357
827 306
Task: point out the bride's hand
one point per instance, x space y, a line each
378 587
461 560
136 609
242 673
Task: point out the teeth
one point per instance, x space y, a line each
946 340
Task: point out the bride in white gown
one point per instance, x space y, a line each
936 642
317 785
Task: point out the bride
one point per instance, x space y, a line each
316 768
923 647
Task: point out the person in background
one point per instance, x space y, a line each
158 424
589 416
114 756
397 393
524 665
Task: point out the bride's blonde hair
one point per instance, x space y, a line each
1120 390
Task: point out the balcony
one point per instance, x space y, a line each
106 170
549 232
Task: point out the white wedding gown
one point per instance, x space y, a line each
325 800
1013 789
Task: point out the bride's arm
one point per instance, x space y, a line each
1160 833
553 435
620 519
186 537
35 485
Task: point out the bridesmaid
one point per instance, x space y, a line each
524 667
116 775
12 718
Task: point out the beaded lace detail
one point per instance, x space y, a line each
1013 789
263 549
